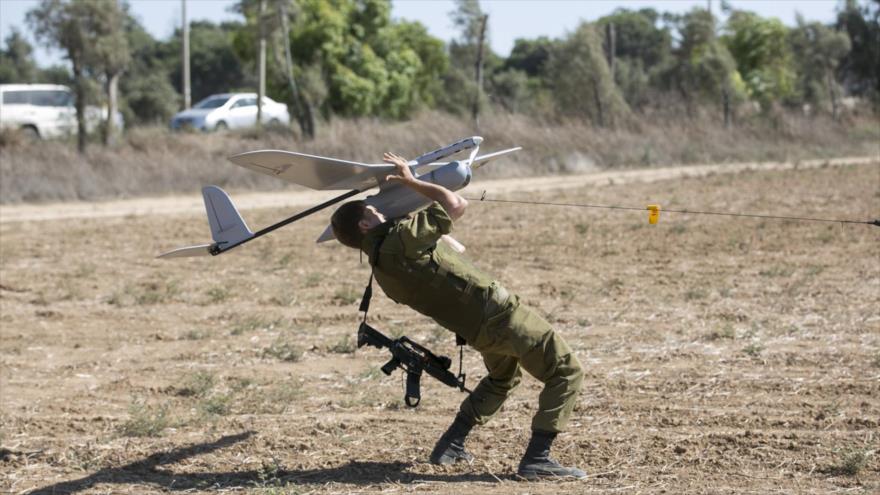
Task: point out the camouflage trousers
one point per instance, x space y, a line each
515 338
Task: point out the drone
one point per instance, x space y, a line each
229 230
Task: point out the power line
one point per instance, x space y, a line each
691 212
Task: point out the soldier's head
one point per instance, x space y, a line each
353 220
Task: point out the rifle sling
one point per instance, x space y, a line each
412 378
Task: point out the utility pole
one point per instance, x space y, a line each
187 95
262 57
478 68
301 107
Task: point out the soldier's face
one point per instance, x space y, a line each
371 218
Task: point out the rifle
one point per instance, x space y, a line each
413 359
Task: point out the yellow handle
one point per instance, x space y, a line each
653 214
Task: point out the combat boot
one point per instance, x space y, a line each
536 464
450 447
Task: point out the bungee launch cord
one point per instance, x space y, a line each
654 211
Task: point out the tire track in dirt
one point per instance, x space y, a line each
192 204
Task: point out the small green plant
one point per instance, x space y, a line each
371 373
250 323
196 385
826 237
155 292
813 270
581 228
273 399
438 334
313 279
238 384
284 392
345 345
144 293
695 294
216 405
284 298
826 411
345 296
193 335
754 349
85 270
285 260
851 462
284 351
725 332
268 474
144 421
611 285
217 295
777 271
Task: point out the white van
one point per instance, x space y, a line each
44 110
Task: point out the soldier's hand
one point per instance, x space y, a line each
402 173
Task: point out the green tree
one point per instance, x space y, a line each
703 68
530 56
216 65
860 68
818 50
110 56
91 34
522 82
77 27
511 89
762 54
582 84
17 61
642 47
147 94
352 60
639 36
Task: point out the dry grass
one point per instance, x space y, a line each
152 161
740 355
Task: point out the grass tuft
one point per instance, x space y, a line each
754 349
851 462
216 405
725 332
346 296
345 345
144 421
283 350
250 323
196 385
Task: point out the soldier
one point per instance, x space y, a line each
417 264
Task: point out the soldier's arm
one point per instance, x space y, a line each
451 201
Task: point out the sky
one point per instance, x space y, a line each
508 19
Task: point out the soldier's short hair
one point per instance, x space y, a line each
345 223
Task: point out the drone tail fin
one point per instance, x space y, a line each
227 225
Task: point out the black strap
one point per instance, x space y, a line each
368 295
368 291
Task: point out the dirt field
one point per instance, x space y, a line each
722 355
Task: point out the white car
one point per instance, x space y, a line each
230 111
45 110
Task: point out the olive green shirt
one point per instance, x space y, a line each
415 268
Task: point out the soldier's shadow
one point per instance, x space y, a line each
148 471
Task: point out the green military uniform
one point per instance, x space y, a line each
413 268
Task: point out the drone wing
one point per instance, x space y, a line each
314 172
